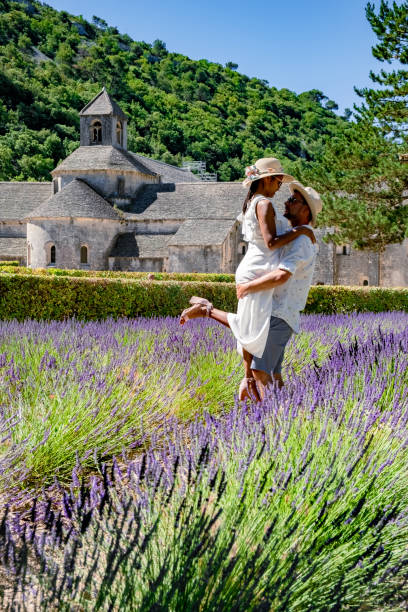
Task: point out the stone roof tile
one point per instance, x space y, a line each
99 157
167 172
103 104
77 199
18 199
208 232
198 200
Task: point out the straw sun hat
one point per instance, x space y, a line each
267 166
311 196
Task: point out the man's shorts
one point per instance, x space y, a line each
278 336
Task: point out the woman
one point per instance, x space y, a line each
266 231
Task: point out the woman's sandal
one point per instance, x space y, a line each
245 391
194 312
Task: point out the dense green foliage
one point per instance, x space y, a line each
387 103
363 180
10 267
360 171
59 297
52 64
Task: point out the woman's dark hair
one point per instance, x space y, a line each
253 187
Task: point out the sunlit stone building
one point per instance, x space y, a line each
109 208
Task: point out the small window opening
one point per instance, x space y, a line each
52 254
365 282
96 132
121 185
55 185
119 133
84 255
243 249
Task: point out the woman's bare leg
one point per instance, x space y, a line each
263 379
278 380
249 389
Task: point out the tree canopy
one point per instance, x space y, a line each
387 103
360 172
52 63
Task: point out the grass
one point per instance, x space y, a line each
296 504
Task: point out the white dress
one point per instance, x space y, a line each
250 325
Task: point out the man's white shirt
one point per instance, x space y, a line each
298 257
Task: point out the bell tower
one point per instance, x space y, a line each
102 122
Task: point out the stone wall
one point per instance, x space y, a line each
68 235
13 229
394 265
230 251
136 264
194 259
108 131
357 267
325 261
106 182
156 226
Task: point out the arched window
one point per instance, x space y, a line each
84 254
365 282
243 250
96 132
119 133
52 254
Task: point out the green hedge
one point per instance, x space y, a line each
7 268
56 297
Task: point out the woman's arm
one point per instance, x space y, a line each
266 218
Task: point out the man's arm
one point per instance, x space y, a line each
263 283
298 251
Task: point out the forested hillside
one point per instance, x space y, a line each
52 63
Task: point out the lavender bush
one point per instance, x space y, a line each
298 503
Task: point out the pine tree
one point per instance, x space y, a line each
361 175
387 104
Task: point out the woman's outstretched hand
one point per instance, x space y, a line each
242 290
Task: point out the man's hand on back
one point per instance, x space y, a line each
263 283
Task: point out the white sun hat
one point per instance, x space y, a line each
311 196
267 166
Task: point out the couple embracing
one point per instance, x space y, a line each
273 278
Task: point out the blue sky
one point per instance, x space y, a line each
297 44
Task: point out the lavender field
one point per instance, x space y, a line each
132 479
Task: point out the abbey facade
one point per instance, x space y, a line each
109 208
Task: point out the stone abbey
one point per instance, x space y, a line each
109 208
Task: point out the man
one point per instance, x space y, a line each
290 283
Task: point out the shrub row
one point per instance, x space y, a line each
55 297
7 268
